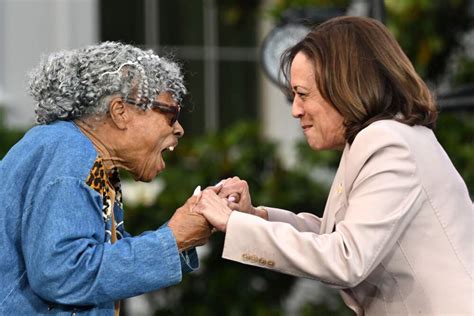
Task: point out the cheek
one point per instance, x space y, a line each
153 140
337 131
327 131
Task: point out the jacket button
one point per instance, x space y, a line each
339 188
254 258
271 263
245 257
262 261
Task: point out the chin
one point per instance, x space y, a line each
314 145
144 177
150 177
145 180
319 147
148 173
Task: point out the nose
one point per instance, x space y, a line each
178 130
297 110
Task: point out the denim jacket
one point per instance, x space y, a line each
56 257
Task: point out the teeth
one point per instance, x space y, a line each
171 148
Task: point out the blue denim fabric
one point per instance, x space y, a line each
55 257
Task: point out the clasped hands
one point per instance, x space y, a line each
193 223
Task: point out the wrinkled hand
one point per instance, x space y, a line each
190 229
237 193
214 209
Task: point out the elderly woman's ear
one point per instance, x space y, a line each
119 113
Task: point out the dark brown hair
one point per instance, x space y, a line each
363 72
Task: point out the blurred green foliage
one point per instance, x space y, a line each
429 31
465 72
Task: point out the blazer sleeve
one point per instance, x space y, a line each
384 195
303 222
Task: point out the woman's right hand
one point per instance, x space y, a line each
237 193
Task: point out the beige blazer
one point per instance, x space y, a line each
396 235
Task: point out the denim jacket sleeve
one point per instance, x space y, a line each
68 261
189 258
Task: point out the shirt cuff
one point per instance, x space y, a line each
189 260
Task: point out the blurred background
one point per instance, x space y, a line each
236 120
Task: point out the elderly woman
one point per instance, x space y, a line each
64 248
397 231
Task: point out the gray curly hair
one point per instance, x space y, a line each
71 84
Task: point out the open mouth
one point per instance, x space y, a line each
162 158
167 149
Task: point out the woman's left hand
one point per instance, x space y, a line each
214 209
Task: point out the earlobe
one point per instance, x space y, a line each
119 113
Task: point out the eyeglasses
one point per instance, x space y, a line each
171 112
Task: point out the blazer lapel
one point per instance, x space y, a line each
337 199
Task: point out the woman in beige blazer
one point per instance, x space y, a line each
397 232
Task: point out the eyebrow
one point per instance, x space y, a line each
294 88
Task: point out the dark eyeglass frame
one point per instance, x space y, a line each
162 108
